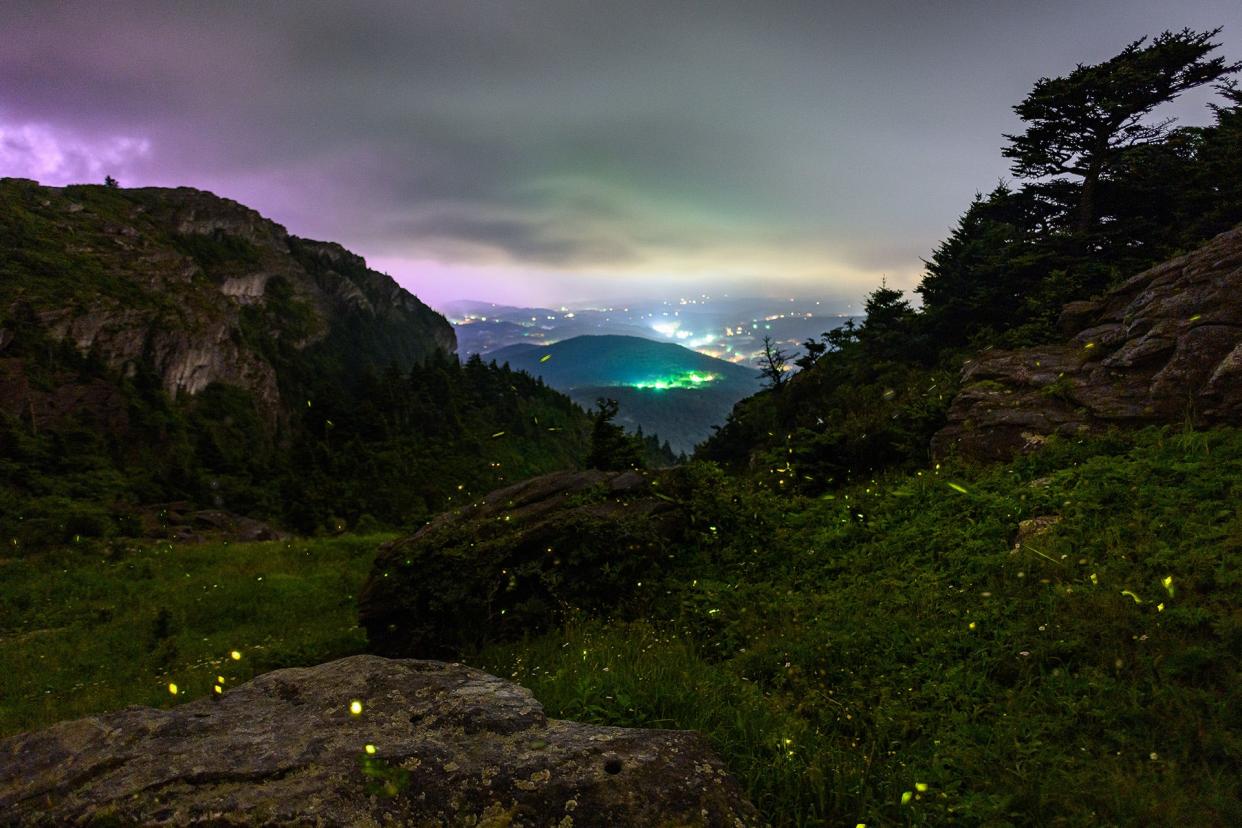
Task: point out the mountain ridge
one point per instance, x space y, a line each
202 288
663 388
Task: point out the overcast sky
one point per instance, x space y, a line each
548 152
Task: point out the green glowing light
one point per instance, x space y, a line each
687 379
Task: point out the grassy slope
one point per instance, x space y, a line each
83 631
832 663
837 668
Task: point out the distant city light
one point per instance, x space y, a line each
687 379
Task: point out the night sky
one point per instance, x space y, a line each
559 151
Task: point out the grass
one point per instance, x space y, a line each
879 655
888 644
92 628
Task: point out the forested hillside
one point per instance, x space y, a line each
160 346
1105 189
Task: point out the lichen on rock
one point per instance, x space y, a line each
449 745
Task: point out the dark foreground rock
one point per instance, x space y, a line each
519 560
1164 347
453 746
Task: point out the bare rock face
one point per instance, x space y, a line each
518 560
451 746
1165 347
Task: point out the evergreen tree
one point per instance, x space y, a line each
888 331
611 448
813 350
1079 124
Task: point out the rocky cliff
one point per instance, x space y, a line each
430 744
195 288
1164 347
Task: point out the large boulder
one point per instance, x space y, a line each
1164 347
452 746
518 561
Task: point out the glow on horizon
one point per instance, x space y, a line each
686 379
438 282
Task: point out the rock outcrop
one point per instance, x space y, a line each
1164 347
434 744
517 561
195 288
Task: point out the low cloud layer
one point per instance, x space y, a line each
553 151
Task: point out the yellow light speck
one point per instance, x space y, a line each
1167 582
220 679
1160 607
355 707
218 689
1094 578
972 625
1137 599
370 749
235 655
958 488
906 797
172 688
921 787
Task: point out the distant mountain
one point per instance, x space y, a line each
663 387
730 329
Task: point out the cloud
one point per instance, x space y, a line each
58 156
570 146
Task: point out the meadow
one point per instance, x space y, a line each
884 654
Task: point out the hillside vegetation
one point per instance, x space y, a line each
887 655
871 396
840 653
163 345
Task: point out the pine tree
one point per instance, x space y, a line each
1079 124
611 448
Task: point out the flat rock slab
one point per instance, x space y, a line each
452 746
